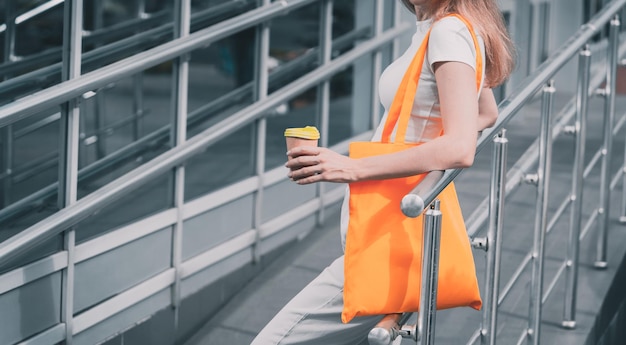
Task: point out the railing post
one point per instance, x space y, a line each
100 97
377 61
580 127
543 186
138 101
494 238
7 132
430 267
261 85
178 136
323 90
68 153
7 165
607 149
9 33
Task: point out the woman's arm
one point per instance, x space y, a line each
454 149
487 109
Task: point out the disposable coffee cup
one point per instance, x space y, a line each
303 136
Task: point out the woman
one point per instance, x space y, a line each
446 101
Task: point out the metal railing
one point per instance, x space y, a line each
281 75
74 210
29 105
503 183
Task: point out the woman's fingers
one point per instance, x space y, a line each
302 162
305 171
303 156
317 164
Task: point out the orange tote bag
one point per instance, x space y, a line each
383 256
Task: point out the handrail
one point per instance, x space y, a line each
412 204
53 96
527 89
132 180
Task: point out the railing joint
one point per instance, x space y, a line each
480 243
570 130
602 92
532 179
408 331
569 324
600 265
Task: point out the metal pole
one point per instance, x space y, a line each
9 34
138 101
543 186
138 106
535 44
182 20
68 157
377 63
323 90
607 151
580 127
140 6
494 238
7 132
7 164
395 47
430 268
99 99
261 92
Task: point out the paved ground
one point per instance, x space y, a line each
248 312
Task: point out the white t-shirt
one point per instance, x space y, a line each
450 40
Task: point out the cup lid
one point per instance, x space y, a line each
308 132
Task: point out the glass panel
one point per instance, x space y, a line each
228 161
291 52
220 80
30 153
39 251
37 33
152 197
343 17
205 13
124 125
119 29
341 100
37 40
28 193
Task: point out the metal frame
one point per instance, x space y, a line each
494 238
248 242
70 142
66 260
261 89
178 136
508 108
211 109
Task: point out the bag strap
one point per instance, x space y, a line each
402 104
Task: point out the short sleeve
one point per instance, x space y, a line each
450 40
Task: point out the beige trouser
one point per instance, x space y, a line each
313 316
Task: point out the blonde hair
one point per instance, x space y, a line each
487 19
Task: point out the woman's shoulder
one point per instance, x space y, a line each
449 25
450 40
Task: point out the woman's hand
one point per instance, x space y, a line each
309 164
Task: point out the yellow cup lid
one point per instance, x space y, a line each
308 132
